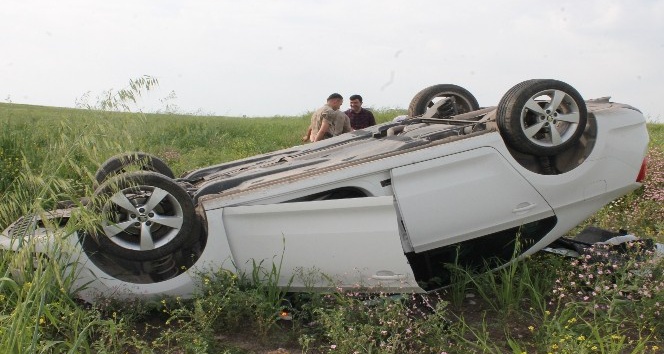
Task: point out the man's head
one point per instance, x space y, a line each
335 101
355 103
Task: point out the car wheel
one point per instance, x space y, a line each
541 117
145 216
464 101
138 161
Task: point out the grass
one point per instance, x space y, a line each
598 304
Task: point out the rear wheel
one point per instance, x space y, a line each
126 162
461 101
145 216
541 117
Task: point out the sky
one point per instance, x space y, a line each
284 57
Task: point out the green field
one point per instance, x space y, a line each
542 304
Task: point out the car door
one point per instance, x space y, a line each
463 196
344 243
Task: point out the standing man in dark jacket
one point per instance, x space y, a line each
360 118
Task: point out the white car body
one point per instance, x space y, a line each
418 204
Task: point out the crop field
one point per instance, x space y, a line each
543 304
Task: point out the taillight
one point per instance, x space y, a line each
642 172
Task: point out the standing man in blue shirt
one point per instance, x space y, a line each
360 118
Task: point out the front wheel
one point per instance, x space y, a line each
145 216
131 161
541 117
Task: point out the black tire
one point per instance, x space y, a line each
464 100
138 161
145 216
541 117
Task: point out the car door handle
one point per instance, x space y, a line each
523 207
387 275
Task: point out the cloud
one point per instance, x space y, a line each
260 57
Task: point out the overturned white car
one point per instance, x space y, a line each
387 206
